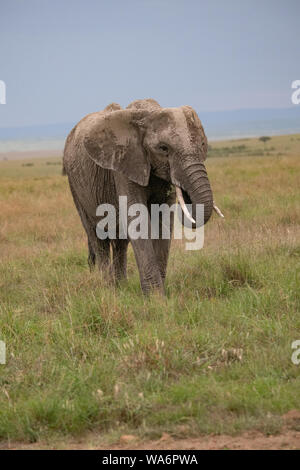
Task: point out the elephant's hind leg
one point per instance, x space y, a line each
91 257
99 254
99 250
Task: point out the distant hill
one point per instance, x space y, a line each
251 122
47 131
218 125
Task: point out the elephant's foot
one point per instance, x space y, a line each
119 277
148 290
154 284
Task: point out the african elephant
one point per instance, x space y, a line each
142 152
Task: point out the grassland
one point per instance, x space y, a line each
82 356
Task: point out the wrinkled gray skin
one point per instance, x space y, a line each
140 152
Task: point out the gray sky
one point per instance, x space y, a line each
63 59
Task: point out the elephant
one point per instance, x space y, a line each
143 152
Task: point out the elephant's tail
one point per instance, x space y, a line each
63 171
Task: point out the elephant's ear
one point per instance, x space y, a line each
196 130
114 141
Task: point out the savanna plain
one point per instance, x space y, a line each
212 357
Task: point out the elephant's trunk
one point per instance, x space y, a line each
196 190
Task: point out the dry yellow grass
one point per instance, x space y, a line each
69 335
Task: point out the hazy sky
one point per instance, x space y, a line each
63 59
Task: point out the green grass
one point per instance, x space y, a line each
84 356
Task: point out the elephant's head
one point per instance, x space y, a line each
144 138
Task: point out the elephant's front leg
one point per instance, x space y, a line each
162 249
161 245
119 249
138 230
165 225
150 275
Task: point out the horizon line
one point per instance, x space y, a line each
60 123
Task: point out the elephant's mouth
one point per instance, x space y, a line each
184 200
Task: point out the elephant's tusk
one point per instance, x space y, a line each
182 204
218 210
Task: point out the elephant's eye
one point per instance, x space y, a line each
163 148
